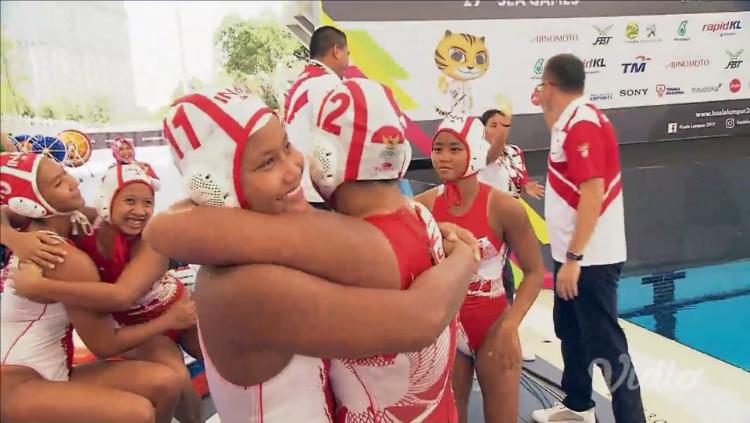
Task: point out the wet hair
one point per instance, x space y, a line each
324 39
486 116
566 71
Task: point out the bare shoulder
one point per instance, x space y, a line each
505 209
427 198
77 267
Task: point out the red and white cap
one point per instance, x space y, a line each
470 131
116 150
359 136
18 185
117 178
208 131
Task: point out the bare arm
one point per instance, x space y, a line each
507 213
329 245
589 206
145 268
277 308
38 247
97 329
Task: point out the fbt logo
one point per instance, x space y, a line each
638 66
734 59
602 39
633 92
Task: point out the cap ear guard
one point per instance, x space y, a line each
359 137
207 132
18 186
206 188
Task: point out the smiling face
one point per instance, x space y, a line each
462 56
450 158
271 171
132 207
58 187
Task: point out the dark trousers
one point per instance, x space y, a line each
590 334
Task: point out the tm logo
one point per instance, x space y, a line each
734 59
639 66
603 39
539 66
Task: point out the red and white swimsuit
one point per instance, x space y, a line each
485 300
407 387
161 296
35 335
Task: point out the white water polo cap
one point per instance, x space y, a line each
359 136
470 131
207 132
117 178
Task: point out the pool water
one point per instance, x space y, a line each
706 308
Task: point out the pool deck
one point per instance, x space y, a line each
678 384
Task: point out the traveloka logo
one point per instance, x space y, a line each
554 38
634 34
682 32
638 66
662 90
734 59
601 97
602 39
723 28
707 89
687 63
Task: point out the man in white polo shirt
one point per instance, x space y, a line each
329 58
584 213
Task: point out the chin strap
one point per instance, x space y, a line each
453 194
80 219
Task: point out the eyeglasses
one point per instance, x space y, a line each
540 87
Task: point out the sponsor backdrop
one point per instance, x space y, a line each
664 69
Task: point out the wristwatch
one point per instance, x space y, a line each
573 256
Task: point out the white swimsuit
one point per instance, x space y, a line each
35 335
296 394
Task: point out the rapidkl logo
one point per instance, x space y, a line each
639 66
723 28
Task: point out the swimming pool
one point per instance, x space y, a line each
706 308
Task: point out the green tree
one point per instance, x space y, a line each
12 101
252 49
98 110
47 111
